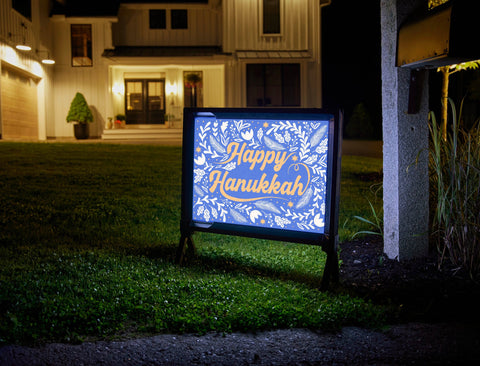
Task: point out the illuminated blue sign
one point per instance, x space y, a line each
270 173
262 172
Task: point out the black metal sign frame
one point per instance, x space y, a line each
328 239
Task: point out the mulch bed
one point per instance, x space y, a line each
420 290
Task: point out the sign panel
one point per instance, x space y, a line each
265 173
269 173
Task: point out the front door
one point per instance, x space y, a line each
145 101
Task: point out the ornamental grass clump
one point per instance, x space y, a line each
455 186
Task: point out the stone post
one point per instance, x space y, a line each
405 137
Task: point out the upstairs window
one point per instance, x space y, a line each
158 19
179 18
24 7
81 45
271 17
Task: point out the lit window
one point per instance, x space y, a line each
179 18
158 19
81 45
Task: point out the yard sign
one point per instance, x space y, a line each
266 173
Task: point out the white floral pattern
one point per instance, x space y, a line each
284 161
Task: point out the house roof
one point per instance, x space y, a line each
165 1
151 51
85 8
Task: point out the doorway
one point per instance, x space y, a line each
145 101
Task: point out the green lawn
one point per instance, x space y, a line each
88 234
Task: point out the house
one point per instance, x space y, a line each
147 60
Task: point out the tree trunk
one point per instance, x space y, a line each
444 114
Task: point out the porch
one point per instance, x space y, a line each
144 133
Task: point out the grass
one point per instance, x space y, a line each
88 234
455 163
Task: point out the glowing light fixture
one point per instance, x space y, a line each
22 46
46 60
118 88
171 88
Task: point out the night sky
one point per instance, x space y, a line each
351 57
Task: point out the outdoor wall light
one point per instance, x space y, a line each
172 89
46 60
118 89
21 45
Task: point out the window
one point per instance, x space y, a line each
24 7
81 45
158 19
273 85
179 18
271 16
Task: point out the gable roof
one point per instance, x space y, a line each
165 2
172 51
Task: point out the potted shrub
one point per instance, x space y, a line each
81 115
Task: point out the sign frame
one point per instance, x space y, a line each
328 240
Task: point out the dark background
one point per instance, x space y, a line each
351 59
351 69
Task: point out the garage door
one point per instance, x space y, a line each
19 105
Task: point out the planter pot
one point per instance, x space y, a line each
81 131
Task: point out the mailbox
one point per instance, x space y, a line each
442 36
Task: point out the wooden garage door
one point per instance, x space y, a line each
19 105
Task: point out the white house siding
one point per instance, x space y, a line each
242 26
132 29
92 81
299 42
233 25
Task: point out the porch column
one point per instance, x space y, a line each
405 184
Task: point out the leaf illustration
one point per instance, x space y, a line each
273 144
224 126
322 147
317 136
254 215
281 221
216 145
302 202
312 159
318 221
198 190
206 215
279 138
237 216
230 166
267 205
